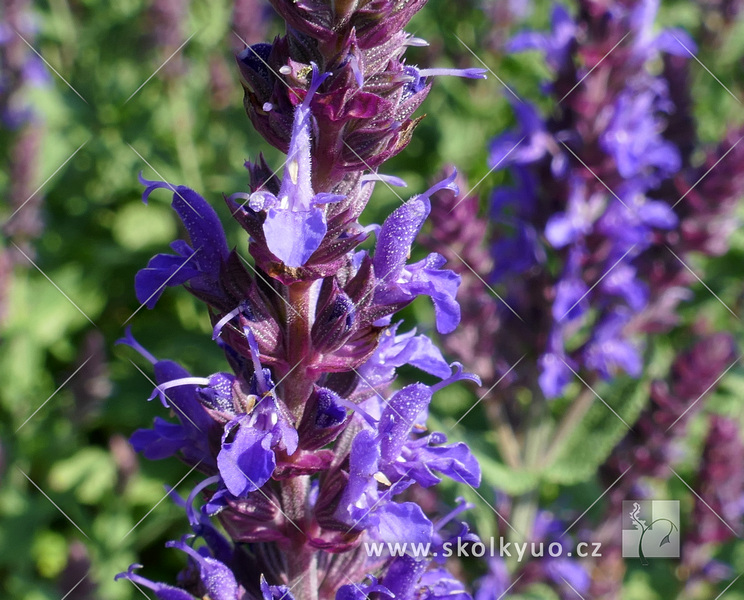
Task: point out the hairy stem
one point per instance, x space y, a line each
302 563
568 424
507 442
297 386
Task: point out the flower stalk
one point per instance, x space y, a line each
308 448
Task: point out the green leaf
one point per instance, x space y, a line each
502 477
50 553
138 226
598 432
90 473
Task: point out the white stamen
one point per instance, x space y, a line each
382 478
293 168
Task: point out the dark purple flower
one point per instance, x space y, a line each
198 264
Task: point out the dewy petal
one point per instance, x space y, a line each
396 237
403 576
400 229
428 278
455 461
247 462
439 583
329 412
217 579
360 493
293 236
362 591
405 349
400 414
218 394
419 351
162 591
404 522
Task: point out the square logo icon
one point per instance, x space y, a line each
650 529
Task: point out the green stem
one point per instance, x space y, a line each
508 444
575 414
524 507
65 28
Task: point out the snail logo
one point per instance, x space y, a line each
650 529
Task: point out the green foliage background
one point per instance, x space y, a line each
67 479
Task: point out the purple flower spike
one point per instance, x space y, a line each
305 443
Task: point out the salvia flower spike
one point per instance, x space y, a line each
307 447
